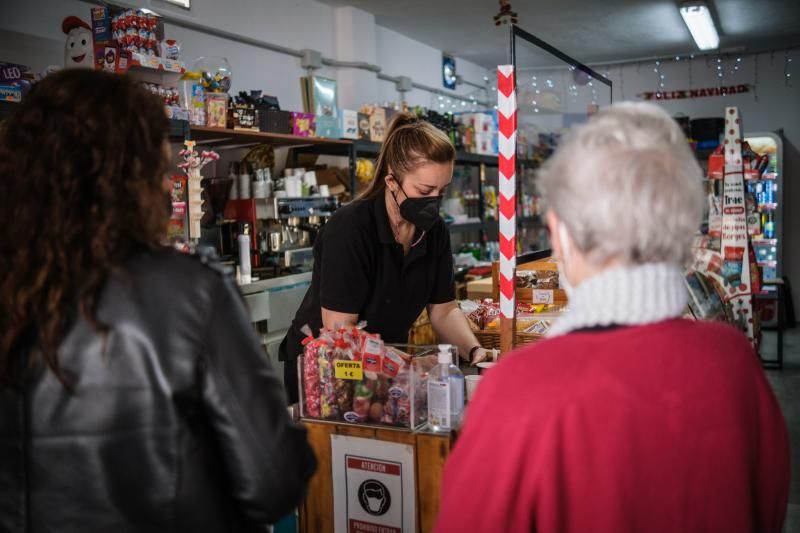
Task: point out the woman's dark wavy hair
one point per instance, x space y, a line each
81 188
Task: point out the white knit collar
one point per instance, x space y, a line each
625 296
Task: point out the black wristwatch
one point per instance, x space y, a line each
472 352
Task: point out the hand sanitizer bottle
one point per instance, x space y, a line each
445 393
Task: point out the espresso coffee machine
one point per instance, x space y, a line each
291 227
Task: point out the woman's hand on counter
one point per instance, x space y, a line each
452 327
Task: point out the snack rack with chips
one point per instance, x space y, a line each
540 301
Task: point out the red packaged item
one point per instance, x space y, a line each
372 354
311 389
329 408
393 361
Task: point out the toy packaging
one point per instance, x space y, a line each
363 126
303 124
328 127
216 110
377 124
349 124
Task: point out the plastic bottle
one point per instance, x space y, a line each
244 254
445 393
244 182
769 227
268 184
233 173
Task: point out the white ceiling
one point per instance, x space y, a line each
591 31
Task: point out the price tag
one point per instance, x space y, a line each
348 370
542 296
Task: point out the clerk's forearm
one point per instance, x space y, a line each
451 327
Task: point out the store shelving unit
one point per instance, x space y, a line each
354 150
358 149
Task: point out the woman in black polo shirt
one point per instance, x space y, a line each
386 256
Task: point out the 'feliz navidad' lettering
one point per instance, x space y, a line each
695 93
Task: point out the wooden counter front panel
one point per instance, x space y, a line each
430 454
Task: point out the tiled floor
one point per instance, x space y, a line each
786 384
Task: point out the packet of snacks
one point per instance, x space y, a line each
343 388
311 379
372 353
486 312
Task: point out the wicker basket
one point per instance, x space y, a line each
491 338
421 332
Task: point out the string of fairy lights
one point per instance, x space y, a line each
579 86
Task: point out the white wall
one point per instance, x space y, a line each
399 54
30 34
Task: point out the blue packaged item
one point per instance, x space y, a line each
770 192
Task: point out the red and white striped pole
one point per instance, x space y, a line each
507 162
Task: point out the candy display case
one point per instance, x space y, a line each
380 386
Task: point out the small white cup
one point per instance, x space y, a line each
324 190
472 385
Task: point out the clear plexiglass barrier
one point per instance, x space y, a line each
554 93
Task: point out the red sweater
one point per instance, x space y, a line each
669 427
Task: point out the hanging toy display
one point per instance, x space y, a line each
79 47
191 165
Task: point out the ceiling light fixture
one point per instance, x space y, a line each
698 19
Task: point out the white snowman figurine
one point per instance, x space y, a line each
79 48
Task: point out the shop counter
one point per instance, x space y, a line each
363 478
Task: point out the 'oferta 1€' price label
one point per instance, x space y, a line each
348 370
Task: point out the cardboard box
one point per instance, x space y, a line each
111 58
485 144
101 25
303 124
363 127
328 127
349 124
216 110
377 125
275 121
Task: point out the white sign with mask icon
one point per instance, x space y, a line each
373 486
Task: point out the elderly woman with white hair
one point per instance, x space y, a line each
628 418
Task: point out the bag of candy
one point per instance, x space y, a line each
311 388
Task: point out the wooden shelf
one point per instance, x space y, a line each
222 136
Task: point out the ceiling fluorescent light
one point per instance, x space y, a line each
698 19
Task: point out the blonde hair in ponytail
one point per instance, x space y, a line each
409 143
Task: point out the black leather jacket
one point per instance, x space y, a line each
178 424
